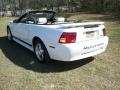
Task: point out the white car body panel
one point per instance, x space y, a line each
50 34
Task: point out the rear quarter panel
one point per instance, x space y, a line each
49 36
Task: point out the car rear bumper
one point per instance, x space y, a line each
80 50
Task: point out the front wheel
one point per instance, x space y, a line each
41 52
9 35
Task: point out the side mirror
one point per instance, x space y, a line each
30 22
15 21
42 20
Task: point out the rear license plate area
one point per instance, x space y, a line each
90 34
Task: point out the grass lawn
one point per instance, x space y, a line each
19 69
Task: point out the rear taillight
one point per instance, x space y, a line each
68 37
104 32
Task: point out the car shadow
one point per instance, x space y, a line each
26 59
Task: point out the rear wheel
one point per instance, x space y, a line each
41 52
9 35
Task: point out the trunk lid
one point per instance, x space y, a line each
85 31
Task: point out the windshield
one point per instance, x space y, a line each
47 15
43 14
35 15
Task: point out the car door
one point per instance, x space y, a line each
21 29
18 28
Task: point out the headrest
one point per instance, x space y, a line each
60 19
42 20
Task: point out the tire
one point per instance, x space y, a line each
41 52
9 35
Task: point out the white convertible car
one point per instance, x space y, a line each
54 38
